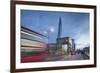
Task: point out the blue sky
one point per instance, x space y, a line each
74 24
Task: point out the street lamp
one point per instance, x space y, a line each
48 36
48 32
52 29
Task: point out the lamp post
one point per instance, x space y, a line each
51 30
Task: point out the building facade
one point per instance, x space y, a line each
65 45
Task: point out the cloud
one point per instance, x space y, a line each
82 40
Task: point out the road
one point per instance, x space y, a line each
73 57
66 57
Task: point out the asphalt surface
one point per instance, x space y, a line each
66 57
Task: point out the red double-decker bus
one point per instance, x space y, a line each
33 46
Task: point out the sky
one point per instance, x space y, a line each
74 25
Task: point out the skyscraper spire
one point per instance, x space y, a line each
59 28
